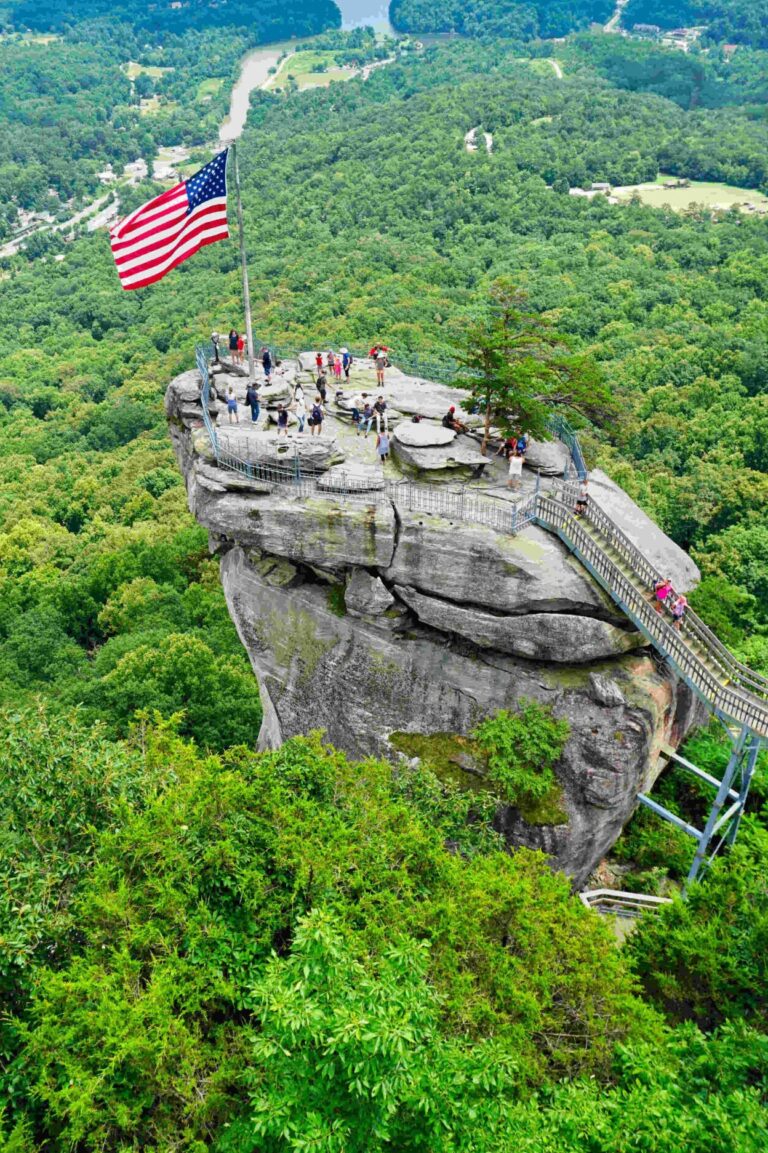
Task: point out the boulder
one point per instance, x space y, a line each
460 454
423 435
367 595
561 638
257 447
472 565
549 457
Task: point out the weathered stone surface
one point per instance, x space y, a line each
662 552
322 531
352 477
562 638
549 457
423 434
367 595
469 564
604 691
315 452
361 683
307 360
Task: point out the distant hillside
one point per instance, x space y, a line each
274 19
484 18
740 21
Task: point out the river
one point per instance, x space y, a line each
254 71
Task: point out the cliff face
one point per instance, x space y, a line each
396 632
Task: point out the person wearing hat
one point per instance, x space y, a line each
346 361
450 421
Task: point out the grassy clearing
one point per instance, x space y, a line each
306 70
207 89
132 70
40 38
699 192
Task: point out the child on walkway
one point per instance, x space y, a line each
678 612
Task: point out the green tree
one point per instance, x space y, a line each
520 369
522 749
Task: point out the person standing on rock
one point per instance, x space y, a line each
322 385
380 412
240 348
319 362
282 419
380 361
233 339
346 361
515 471
337 367
382 446
252 399
215 338
522 443
300 407
232 413
316 418
266 364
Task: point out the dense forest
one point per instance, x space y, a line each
491 18
738 21
267 19
202 948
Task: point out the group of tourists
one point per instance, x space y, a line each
237 352
334 363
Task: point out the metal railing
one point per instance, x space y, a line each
728 687
620 903
705 675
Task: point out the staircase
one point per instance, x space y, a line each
730 690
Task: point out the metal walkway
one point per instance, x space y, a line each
735 694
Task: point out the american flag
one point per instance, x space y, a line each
166 230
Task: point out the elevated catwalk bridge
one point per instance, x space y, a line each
733 693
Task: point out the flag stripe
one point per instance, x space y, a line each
172 227
156 272
160 241
198 226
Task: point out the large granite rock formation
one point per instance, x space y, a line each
378 624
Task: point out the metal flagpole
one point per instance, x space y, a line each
244 263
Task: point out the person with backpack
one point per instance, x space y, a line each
316 418
381 363
252 399
380 412
346 361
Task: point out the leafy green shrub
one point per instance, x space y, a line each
522 749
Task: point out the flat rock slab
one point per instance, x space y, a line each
352 477
423 434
